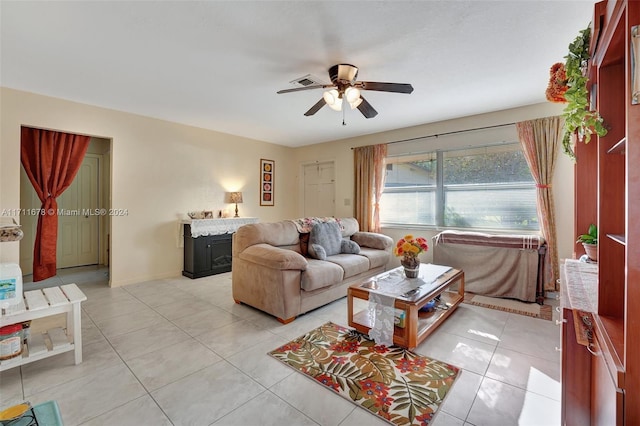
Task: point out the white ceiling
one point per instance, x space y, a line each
218 64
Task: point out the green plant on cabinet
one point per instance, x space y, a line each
591 237
578 118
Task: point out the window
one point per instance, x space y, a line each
487 188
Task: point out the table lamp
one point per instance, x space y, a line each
235 197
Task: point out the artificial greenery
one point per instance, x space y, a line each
578 118
591 237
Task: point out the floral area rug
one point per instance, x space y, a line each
398 385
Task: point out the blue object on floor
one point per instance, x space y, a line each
429 306
46 414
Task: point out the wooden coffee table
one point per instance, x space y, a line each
417 325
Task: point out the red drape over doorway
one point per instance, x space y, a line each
51 160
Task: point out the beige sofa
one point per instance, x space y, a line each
270 273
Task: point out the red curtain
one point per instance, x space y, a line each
51 160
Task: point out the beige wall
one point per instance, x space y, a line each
159 171
341 152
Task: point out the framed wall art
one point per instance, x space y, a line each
267 182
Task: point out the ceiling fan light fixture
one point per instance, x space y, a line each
352 94
330 96
333 99
355 103
344 87
337 105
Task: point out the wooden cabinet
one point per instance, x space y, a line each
206 255
608 194
576 368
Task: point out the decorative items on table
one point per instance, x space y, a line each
201 215
409 247
10 230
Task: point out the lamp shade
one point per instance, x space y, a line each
234 197
352 94
333 99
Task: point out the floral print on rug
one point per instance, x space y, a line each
394 383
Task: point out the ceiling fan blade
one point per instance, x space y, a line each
366 109
384 87
316 107
298 89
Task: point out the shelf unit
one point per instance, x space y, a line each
43 303
608 194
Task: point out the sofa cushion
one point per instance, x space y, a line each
276 234
376 257
373 240
320 274
325 240
352 264
349 226
274 257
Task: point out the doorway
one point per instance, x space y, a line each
83 232
78 217
319 194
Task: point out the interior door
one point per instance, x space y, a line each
319 189
78 218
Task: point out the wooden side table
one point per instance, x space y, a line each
418 325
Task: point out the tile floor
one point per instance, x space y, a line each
181 352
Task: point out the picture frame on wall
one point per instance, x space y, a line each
267 182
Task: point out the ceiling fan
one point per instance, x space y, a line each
346 88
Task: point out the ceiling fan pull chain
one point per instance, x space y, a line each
343 122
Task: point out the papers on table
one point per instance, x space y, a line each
396 284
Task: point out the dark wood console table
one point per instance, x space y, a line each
207 245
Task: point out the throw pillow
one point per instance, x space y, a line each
304 244
349 247
317 251
325 240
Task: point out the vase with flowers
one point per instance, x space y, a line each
409 247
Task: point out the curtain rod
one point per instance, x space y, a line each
435 135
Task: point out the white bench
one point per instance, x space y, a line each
44 303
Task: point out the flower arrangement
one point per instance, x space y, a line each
557 84
410 246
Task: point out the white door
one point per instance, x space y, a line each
319 189
78 223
